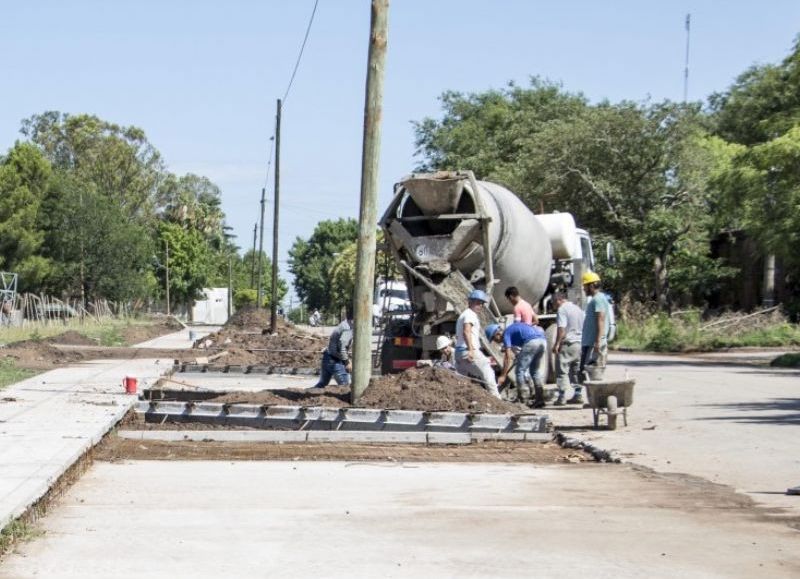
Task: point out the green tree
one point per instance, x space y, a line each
119 161
310 260
24 180
194 202
191 262
762 104
343 272
627 171
763 182
99 252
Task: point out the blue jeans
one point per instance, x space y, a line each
528 362
332 368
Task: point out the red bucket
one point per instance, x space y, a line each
130 384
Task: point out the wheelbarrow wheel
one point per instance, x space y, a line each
611 404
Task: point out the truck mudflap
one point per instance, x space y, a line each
398 354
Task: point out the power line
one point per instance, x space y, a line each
302 48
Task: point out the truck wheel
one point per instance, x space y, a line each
547 366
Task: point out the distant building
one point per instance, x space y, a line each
212 309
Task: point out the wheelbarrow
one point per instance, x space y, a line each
611 399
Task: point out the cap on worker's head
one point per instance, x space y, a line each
491 330
478 296
590 277
442 342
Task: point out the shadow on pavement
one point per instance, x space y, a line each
789 406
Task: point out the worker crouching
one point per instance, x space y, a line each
530 344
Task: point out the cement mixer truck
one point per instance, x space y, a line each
450 234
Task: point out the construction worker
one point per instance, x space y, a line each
567 348
594 335
470 361
531 345
444 347
336 361
523 310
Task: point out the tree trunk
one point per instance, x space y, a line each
660 283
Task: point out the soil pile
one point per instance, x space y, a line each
39 355
245 343
432 389
72 338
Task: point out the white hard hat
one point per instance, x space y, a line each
442 342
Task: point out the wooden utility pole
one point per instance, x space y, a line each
253 273
167 268
367 219
230 286
260 292
273 320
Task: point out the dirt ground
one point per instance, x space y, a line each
114 449
45 354
245 342
433 389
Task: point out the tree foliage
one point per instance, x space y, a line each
24 180
628 172
310 260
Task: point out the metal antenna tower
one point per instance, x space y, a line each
686 63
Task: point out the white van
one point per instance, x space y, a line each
390 296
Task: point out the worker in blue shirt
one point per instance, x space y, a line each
530 344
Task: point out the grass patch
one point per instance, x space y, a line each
687 332
10 374
107 332
17 531
790 360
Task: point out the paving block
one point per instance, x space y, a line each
490 421
531 423
447 419
245 411
449 437
260 369
284 412
321 413
362 415
206 409
405 417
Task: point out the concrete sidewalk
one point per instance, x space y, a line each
726 420
47 422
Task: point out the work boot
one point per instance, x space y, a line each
577 398
524 395
538 398
560 400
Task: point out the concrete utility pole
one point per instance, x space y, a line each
367 223
273 320
260 292
253 273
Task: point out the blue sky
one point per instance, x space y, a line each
201 78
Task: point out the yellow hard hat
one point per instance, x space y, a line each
590 277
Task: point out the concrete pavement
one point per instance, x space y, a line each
48 421
378 519
724 419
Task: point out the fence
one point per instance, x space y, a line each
42 310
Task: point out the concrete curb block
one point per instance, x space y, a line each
599 454
313 436
194 368
318 418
